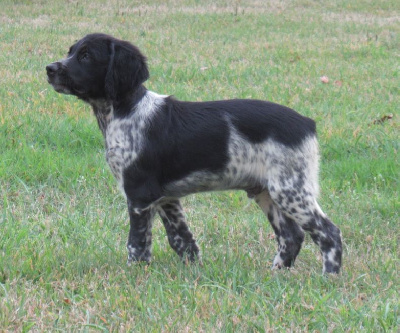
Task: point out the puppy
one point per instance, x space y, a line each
161 149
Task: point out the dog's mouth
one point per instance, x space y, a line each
58 86
64 86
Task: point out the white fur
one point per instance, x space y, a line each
124 136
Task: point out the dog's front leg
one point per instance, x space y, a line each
139 240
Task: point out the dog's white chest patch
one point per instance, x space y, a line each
124 136
122 146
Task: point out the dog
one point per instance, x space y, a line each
161 149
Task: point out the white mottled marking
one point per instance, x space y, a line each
124 136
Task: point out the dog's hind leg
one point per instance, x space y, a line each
179 236
328 237
288 234
292 183
301 206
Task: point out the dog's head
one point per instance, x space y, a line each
99 67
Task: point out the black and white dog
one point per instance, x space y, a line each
161 149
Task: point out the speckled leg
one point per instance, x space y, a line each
179 236
289 235
328 237
139 241
301 206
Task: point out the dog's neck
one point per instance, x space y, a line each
106 110
103 110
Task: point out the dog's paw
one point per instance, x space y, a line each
135 255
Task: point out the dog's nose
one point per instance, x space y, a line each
52 69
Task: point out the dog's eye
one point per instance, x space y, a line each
84 56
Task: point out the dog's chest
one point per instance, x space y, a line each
123 140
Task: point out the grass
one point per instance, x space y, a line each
63 224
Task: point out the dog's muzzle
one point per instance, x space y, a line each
56 76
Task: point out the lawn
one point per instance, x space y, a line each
64 225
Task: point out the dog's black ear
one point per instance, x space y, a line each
109 81
127 70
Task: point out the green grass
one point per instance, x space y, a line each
63 224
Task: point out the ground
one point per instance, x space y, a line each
63 223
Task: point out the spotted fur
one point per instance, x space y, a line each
160 149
